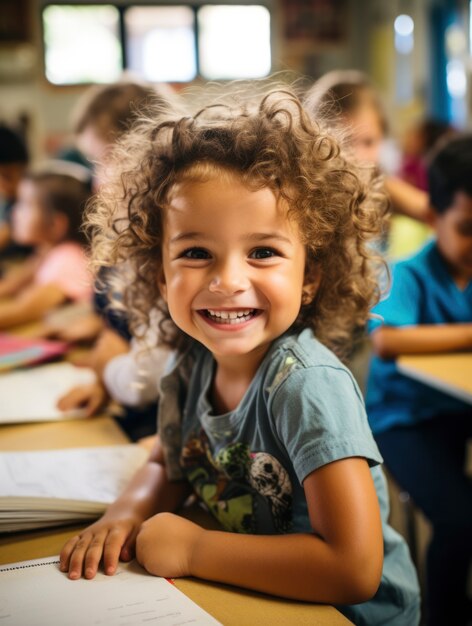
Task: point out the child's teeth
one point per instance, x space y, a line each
231 316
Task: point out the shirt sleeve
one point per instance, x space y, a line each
133 378
319 417
66 267
402 306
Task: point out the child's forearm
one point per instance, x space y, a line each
30 306
13 314
299 566
389 342
150 492
407 199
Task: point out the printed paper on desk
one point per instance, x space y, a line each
37 593
31 395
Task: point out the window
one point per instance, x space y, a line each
234 41
81 44
174 43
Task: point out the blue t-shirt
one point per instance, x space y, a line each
302 410
422 292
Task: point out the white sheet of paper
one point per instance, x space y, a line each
87 474
31 395
49 487
36 593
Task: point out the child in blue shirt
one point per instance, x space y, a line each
247 229
422 432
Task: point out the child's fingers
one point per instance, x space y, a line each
129 547
66 551
96 400
73 399
114 544
93 553
77 555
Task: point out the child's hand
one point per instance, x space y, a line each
90 397
86 328
165 545
111 538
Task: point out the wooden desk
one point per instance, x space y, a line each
451 373
230 605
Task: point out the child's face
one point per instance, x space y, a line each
28 223
96 149
367 134
91 144
10 176
454 235
233 266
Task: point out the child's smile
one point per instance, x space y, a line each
233 265
230 319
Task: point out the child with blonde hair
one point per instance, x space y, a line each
247 229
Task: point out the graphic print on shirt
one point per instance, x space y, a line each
248 492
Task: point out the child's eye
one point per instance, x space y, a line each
263 253
195 253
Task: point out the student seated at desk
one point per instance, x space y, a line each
14 160
48 217
250 233
103 116
422 433
128 372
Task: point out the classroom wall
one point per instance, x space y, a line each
366 44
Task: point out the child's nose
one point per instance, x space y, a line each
229 277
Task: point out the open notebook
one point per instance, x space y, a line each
52 487
31 395
36 593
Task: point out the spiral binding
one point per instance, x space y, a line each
14 567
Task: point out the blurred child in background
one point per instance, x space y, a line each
102 117
346 101
407 235
418 141
422 432
13 163
47 216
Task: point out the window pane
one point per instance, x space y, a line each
81 44
234 41
161 43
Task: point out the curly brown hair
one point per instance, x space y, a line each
268 141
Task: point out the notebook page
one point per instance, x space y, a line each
86 474
36 593
31 395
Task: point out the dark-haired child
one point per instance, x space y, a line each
422 433
13 163
48 217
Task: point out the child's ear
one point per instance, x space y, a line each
310 287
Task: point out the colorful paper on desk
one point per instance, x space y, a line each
22 351
31 395
37 593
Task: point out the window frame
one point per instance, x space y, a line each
122 6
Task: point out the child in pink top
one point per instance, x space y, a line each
47 216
